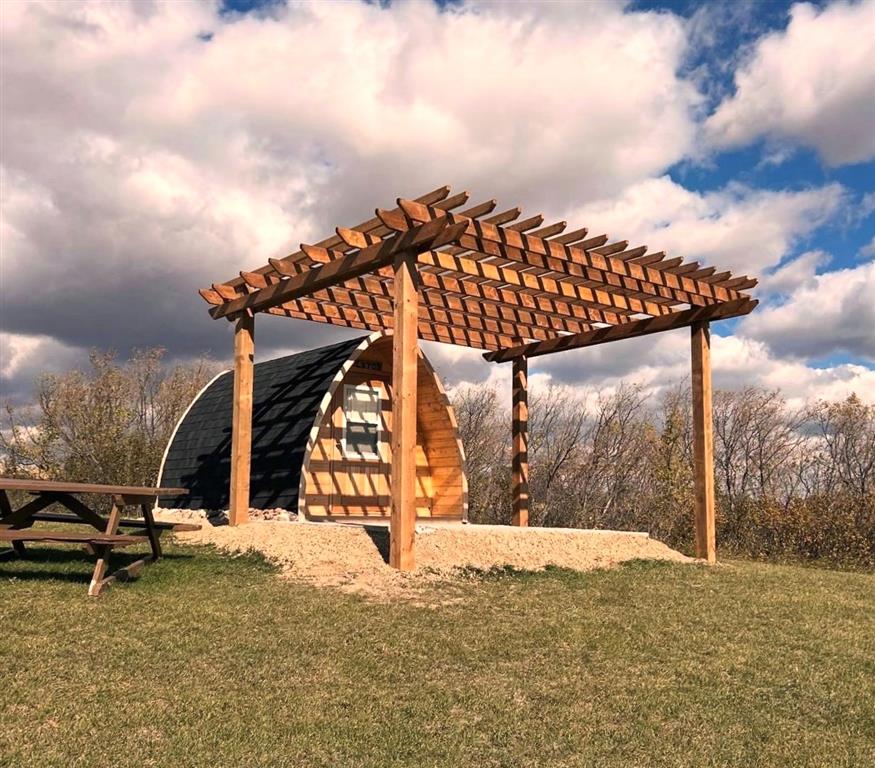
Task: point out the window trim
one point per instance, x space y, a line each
372 390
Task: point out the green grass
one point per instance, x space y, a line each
208 660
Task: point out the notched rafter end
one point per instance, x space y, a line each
282 267
526 224
255 280
353 238
480 210
460 198
505 216
315 252
210 295
227 292
394 220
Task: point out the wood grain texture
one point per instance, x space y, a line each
703 443
76 537
330 479
628 330
491 280
104 548
404 379
128 522
241 419
609 271
487 282
340 268
373 225
56 486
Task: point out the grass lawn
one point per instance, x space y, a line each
214 661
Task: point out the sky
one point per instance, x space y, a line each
149 149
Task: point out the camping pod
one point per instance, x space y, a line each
321 438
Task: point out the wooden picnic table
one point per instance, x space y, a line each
16 524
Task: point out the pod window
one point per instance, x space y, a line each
361 424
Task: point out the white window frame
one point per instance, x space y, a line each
375 391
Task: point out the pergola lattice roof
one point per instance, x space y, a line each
493 281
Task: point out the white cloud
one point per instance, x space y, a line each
738 228
811 84
740 361
795 273
24 358
141 161
829 313
663 360
868 250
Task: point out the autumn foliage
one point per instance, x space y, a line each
791 483
109 424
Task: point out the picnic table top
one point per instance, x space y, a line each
53 486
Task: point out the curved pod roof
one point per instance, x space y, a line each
291 396
287 395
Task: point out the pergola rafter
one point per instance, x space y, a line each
596 265
441 269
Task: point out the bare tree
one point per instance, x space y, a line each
108 424
484 429
756 436
789 483
556 422
670 457
847 431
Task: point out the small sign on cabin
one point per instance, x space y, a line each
368 365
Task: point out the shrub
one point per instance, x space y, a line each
109 424
790 483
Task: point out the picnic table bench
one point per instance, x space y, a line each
16 524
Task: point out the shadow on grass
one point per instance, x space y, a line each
68 565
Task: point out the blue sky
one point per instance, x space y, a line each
158 148
802 167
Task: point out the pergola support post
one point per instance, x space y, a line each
703 443
520 459
241 420
402 531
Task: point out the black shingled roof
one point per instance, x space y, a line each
286 397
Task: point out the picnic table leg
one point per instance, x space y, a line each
104 550
23 516
151 532
6 511
82 510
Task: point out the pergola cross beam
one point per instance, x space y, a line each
629 330
435 233
435 197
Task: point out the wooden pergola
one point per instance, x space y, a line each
437 268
